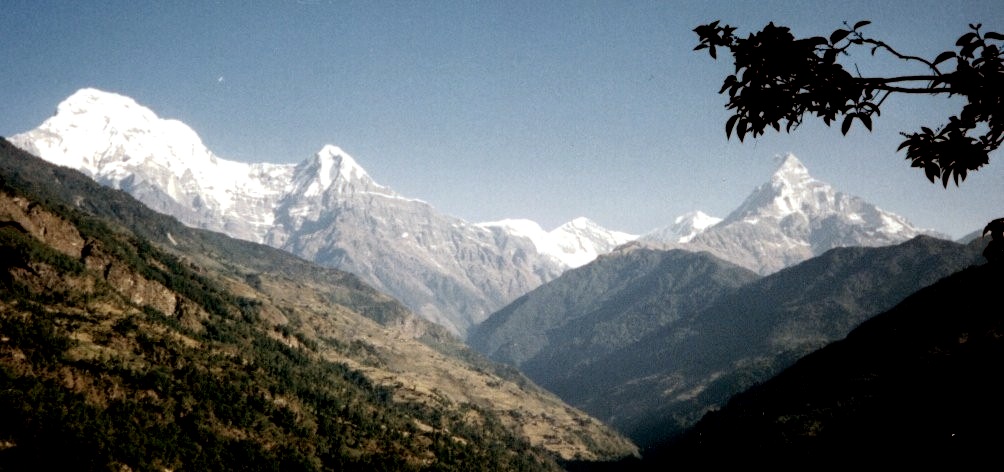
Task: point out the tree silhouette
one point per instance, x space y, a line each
779 79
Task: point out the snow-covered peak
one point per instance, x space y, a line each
695 220
109 136
517 226
793 217
96 131
581 240
573 244
583 226
581 222
331 167
683 229
790 190
791 171
98 103
337 163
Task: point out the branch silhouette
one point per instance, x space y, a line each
779 79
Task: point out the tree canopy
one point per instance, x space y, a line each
779 79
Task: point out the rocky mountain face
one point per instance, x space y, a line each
648 340
135 342
326 209
789 219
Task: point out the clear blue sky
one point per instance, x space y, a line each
488 110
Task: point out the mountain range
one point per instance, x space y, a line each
789 219
129 341
327 209
649 340
114 309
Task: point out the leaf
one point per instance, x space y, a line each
931 170
993 35
943 57
729 125
966 39
837 35
866 120
814 41
861 23
830 56
846 126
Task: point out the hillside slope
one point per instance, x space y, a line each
133 341
916 384
648 341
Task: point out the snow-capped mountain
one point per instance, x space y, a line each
573 244
683 229
163 163
794 217
329 210
326 209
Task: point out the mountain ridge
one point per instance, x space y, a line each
791 218
76 254
329 210
650 370
326 208
920 372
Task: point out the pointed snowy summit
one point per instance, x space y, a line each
790 190
331 168
794 217
791 170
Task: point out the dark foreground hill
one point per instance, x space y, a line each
918 384
130 342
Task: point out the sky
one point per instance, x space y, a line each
504 109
